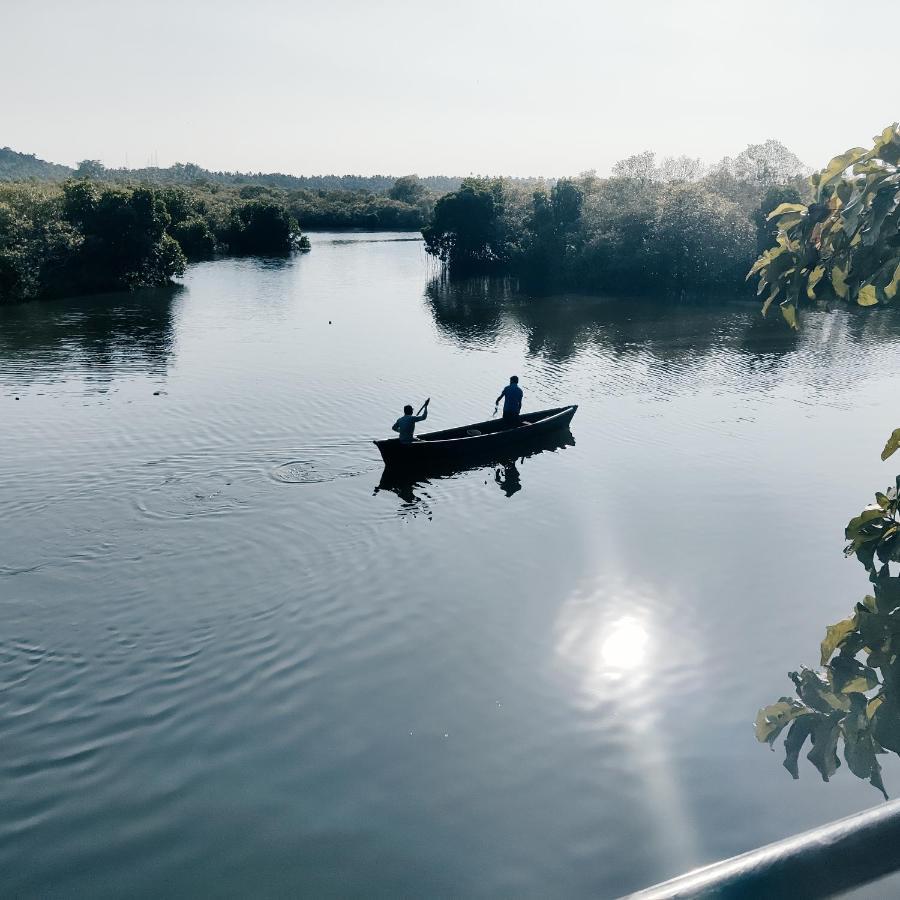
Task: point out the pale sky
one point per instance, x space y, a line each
517 88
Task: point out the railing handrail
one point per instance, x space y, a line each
822 862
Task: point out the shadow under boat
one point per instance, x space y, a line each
403 480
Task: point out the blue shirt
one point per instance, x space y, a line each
512 398
406 425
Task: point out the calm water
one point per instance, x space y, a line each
232 665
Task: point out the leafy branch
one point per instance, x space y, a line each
846 243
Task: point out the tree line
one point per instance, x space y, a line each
672 226
82 237
15 166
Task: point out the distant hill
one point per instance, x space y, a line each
23 166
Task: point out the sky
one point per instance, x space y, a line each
395 87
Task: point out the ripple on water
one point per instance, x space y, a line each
318 465
190 496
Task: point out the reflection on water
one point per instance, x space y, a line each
412 487
531 678
479 312
99 338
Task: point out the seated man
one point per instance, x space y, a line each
406 424
512 401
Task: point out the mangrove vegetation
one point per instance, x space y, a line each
669 227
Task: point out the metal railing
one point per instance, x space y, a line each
823 862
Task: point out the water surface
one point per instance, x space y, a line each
235 662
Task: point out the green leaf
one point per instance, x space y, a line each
892 445
859 746
771 720
799 731
867 516
849 676
835 635
816 692
886 726
824 752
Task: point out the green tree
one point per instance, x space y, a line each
467 230
553 232
125 239
262 227
408 189
90 168
35 244
698 239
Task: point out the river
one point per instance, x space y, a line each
234 663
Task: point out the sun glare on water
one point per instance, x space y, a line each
624 645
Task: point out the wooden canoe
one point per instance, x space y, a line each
482 439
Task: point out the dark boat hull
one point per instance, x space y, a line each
458 444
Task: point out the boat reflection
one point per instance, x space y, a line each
412 485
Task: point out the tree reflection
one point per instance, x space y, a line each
100 336
481 312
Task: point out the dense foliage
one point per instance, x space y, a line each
86 236
83 239
846 244
676 226
374 202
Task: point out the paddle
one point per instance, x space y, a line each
419 413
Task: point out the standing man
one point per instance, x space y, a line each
512 401
406 424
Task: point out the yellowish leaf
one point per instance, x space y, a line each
867 295
892 445
789 311
771 720
885 138
765 259
814 278
835 635
773 293
789 221
838 165
839 281
890 289
783 208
